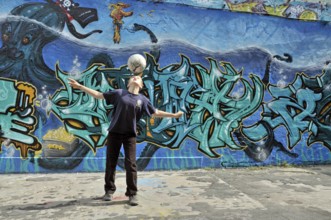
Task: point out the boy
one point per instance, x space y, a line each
129 106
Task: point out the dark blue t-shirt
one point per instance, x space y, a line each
128 109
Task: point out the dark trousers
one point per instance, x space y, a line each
115 141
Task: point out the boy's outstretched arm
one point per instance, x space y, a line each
96 94
162 114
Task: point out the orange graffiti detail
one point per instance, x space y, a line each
118 14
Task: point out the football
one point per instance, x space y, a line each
136 63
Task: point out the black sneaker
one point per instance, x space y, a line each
133 201
107 197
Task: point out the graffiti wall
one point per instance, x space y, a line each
252 78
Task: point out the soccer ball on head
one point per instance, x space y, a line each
136 63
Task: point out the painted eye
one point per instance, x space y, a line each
25 40
5 37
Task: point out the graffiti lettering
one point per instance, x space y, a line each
211 114
16 116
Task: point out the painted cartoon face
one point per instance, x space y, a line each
18 44
136 81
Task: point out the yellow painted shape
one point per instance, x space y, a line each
308 15
60 134
55 146
278 11
244 7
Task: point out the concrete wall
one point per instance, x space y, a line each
254 88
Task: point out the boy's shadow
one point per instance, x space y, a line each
94 201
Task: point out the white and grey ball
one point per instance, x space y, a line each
136 63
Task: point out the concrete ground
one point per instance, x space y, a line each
302 193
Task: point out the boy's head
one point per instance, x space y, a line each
136 81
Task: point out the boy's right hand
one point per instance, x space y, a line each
74 84
179 114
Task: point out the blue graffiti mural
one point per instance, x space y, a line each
254 89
